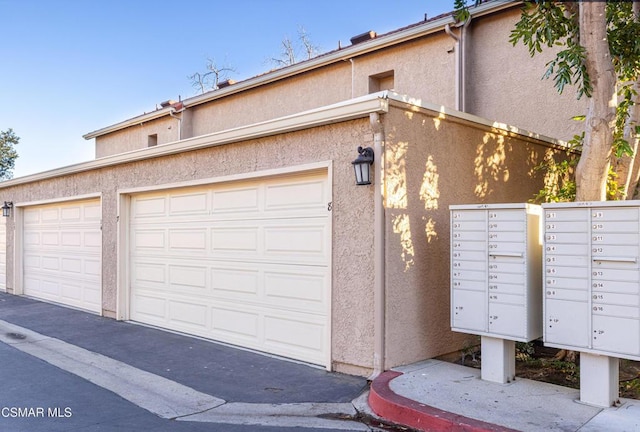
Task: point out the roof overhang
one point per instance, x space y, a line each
352 109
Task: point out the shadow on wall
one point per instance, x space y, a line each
477 166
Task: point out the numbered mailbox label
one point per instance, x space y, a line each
566 294
568 283
567 260
609 275
605 226
469 245
470 226
566 272
471 215
469 255
567 238
566 227
513 227
506 215
610 298
615 214
566 215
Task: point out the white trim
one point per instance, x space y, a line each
60 200
18 251
352 109
294 169
329 294
123 288
343 111
384 41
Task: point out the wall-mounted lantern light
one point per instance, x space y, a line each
6 208
362 166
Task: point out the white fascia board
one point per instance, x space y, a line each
131 122
340 112
393 38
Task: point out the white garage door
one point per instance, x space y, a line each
244 262
3 254
62 253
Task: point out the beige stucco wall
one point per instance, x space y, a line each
504 82
432 163
136 137
352 271
299 93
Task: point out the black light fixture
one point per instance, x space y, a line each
6 208
362 166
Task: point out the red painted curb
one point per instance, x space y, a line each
399 409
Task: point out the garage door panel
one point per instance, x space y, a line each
296 291
148 272
232 325
243 200
149 239
235 239
193 278
241 263
301 336
188 313
194 240
150 306
149 207
189 204
62 253
308 240
296 196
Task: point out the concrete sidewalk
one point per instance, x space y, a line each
438 396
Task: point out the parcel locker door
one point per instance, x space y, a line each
469 310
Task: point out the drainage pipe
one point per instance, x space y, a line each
379 230
172 114
460 64
457 49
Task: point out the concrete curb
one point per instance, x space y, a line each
398 409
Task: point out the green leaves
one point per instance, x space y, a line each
8 153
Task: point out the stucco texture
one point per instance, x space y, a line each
504 82
136 137
432 163
352 263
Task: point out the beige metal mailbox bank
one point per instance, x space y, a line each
496 287
592 289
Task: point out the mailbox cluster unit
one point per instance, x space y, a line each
592 277
496 270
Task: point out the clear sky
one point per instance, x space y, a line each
69 67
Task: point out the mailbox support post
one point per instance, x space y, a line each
599 380
498 359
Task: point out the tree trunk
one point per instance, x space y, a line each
592 169
630 134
